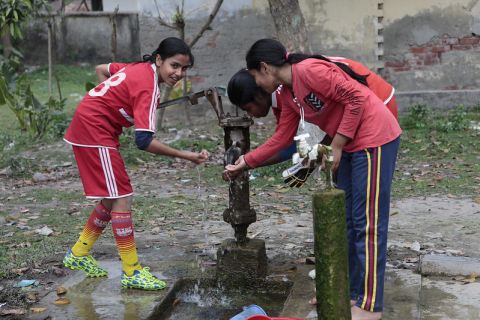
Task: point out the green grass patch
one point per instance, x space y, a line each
439 153
72 83
72 80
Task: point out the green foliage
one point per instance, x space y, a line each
12 14
33 116
177 90
10 66
72 81
179 17
422 117
89 85
20 167
456 120
418 116
194 145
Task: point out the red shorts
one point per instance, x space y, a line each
102 172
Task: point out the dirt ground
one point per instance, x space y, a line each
441 224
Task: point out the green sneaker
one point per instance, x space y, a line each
142 279
86 263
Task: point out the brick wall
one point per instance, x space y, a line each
428 54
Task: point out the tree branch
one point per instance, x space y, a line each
162 21
207 23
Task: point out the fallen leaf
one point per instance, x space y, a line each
61 301
37 310
9 312
61 291
45 231
20 271
471 278
175 302
284 209
32 297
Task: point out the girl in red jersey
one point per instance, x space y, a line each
364 146
128 98
243 92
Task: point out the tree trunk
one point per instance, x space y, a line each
331 255
290 25
113 40
50 64
97 5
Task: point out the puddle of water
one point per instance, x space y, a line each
194 300
212 303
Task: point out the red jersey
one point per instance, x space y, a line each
288 120
112 68
337 103
129 97
377 84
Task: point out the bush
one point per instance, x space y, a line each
419 116
33 116
455 120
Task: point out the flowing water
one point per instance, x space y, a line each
208 300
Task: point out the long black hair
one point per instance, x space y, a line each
242 88
273 52
168 48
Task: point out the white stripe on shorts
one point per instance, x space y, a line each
108 172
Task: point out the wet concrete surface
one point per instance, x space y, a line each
408 295
100 298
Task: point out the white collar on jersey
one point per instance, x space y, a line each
154 67
274 96
274 99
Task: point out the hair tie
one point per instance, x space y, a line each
286 55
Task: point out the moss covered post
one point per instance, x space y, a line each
331 255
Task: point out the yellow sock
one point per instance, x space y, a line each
122 226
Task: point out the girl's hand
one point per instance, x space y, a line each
337 156
234 170
199 157
338 142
